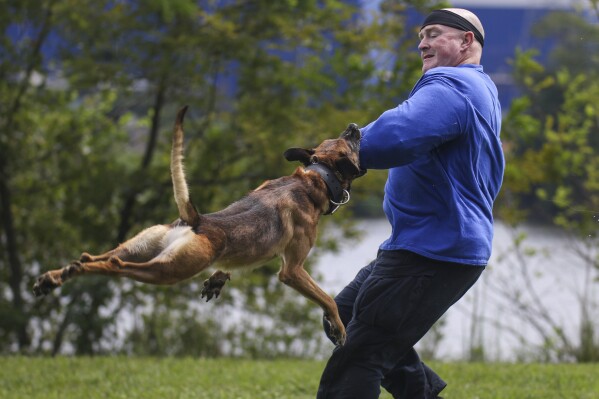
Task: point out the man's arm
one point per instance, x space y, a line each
433 115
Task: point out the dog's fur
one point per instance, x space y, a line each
279 218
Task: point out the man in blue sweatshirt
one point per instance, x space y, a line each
446 164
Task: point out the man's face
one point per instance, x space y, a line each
440 45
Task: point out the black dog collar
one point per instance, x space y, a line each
337 195
448 18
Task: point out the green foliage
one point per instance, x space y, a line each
551 135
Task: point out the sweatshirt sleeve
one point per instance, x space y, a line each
435 113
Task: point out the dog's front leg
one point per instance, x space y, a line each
214 284
295 276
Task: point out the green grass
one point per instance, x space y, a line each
122 377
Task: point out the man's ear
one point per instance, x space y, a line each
299 154
468 39
347 168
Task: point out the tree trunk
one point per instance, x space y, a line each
14 263
6 216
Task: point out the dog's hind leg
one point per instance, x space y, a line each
186 255
144 246
183 258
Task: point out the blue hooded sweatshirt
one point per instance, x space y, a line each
445 161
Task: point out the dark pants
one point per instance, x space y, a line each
387 309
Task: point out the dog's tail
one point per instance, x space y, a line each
187 211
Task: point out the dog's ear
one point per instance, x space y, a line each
299 154
351 133
348 169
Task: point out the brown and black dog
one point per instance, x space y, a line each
279 218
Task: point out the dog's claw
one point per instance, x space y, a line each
337 333
214 284
209 294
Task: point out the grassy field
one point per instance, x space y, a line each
148 378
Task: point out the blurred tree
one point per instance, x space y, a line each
89 90
46 146
552 133
551 137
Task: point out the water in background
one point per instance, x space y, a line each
520 298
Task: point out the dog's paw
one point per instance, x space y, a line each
336 331
46 283
55 278
214 284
